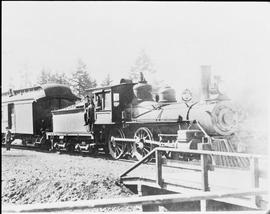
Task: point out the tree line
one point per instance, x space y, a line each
81 79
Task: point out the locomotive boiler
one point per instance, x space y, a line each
131 122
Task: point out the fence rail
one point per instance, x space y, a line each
199 152
144 200
203 168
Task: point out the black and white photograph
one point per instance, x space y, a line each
135 106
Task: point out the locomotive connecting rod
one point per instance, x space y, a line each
131 140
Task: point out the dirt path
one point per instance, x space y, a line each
36 177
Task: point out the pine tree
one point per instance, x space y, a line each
142 64
47 76
107 81
81 80
44 76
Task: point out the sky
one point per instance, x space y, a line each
178 37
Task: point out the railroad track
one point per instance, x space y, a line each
100 154
75 153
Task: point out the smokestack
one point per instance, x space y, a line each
205 81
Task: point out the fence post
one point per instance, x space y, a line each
254 171
254 168
148 207
159 168
205 184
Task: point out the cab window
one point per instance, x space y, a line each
107 101
103 101
116 100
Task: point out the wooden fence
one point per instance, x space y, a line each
204 167
143 200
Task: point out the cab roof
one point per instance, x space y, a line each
98 89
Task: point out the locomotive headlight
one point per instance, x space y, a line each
186 95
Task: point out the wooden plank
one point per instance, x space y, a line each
205 184
148 207
204 173
245 201
254 170
144 200
233 154
192 152
159 168
181 164
167 185
138 163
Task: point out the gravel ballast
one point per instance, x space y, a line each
30 177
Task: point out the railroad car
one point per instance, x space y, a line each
27 112
130 121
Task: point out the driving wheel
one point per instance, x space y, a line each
116 148
140 147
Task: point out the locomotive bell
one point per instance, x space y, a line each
167 94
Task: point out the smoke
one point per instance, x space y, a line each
253 103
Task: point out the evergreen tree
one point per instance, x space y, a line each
60 78
81 80
107 81
142 64
47 76
44 77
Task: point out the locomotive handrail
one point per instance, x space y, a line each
143 200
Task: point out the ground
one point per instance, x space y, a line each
30 177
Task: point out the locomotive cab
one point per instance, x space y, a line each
111 103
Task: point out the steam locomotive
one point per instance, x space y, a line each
130 122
